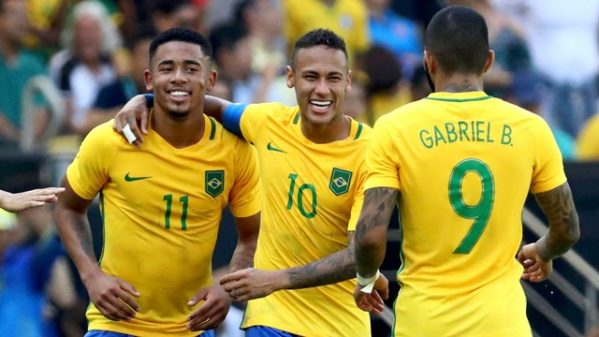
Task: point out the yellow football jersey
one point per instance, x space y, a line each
161 209
347 18
464 164
312 198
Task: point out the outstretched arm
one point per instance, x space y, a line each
558 206
16 202
253 283
135 113
111 295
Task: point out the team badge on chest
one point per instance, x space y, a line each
340 181
214 182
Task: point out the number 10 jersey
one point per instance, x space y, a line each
312 196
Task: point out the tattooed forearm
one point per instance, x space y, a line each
83 232
334 268
371 232
243 256
564 230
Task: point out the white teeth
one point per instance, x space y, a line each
320 103
179 93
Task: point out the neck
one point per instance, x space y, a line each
337 129
459 83
179 131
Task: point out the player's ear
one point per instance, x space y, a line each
148 78
348 81
212 77
489 61
290 77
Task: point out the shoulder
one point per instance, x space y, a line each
103 136
276 112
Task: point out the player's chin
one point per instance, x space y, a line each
319 118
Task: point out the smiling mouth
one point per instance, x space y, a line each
321 106
178 94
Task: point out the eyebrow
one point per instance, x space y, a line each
186 62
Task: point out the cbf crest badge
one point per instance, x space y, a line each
214 182
340 181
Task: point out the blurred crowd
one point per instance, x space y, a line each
67 66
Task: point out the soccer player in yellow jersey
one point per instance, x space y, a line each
162 205
312 168
460 164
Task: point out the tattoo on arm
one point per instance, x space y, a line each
334 268
558 207
82 231
371 233
243 257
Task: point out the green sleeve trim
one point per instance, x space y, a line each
359 132
213 128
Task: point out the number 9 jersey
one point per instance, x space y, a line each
464 164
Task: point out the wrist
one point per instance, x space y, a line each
364 281
149 100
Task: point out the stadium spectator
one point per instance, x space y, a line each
348 18
550 25
167 213
385 89
460 164
234 57
90 41
35 277
263 20
398 34
130 81
312 168
527 91
167 14
17 67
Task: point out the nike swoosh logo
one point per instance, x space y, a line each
129 178
271 147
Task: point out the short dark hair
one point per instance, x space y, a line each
458 38
319 37
183 35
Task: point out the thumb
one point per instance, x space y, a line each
201 295
129 288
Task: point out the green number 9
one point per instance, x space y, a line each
480 212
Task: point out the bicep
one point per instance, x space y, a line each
248 227
69 200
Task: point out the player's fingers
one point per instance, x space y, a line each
123 309
106 311
198 297
200 314
211 319
231 277
134 126
144 121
